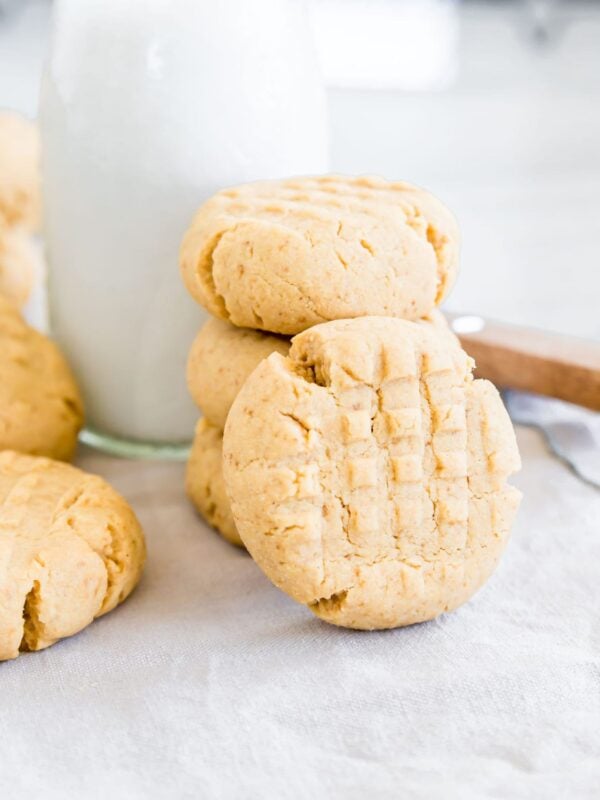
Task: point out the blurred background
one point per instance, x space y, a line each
493 106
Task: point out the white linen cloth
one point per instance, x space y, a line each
210 683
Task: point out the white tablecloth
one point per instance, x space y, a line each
209 683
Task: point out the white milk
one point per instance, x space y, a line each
148 107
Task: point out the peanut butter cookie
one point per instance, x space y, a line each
282 256
41 411
367 472
204 481
71 549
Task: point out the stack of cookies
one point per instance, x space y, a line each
359 462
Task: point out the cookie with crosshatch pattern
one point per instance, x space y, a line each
284 255
367 472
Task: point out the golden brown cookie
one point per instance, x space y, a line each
222 356
204 481
18 264
284 255
41 411
19 171
367 472
71 549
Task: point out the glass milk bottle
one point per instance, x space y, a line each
147 108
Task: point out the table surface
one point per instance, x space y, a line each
209 682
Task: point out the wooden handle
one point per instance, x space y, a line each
533 360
